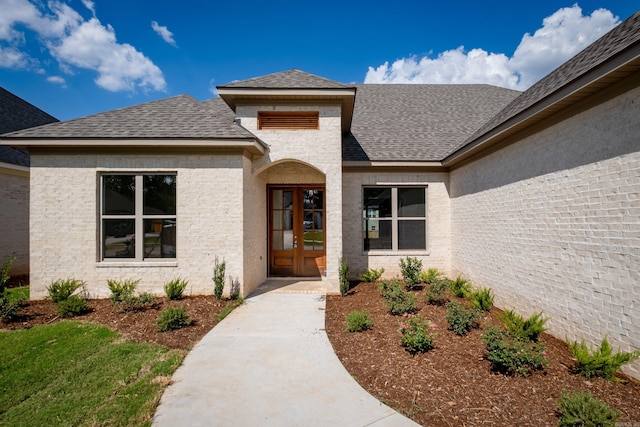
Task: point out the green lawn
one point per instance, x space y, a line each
80 374
21 292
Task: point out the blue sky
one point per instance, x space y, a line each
78 57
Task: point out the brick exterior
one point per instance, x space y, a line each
438 245
552 223
14 217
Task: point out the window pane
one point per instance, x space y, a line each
377 234
159 238
288 219
412 234
118 194
159 195
314 239
277 220
411 202
287 199
277 199
287 240
317 221
118 238
377 202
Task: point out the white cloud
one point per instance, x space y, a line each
59 80
163 32
562 35
75 42
89 4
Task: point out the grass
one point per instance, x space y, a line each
80 374
20 292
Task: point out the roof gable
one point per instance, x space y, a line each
291 79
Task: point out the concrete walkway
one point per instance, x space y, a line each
270 363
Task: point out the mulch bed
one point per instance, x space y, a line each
453 384
140 325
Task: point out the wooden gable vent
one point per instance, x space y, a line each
292 120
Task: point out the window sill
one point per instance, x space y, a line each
409 252
136 264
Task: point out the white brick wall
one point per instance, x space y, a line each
552 223
64 220
438 245
14 219
305 157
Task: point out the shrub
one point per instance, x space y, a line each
460 287
343 272
219 269
173 318
415 335
9 307
4 274
601 362
513 355
582 409
174 288
461 320
482 299
431 276
371 275
122 290
529 329
61 290
398 301
411 269
358 321
436 293
74 305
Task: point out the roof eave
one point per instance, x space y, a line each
252 145
617 68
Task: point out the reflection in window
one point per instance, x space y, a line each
138 216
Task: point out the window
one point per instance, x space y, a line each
394 218
291 120
138 216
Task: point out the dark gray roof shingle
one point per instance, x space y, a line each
178 117
407 122
291 79
615 41
17 114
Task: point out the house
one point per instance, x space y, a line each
535 194
16 114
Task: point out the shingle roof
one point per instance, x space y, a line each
407 122
16 114
178 117
615 41
291 79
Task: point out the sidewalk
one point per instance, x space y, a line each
270 363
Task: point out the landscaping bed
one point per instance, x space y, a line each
453 384
138 325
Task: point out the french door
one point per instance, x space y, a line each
297 223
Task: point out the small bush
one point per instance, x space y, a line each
173 318
411 269
601 362
122 290
371 275
174 288
219 269
529 329
436 293
343 272
358 321
461 320
74 305
4 274
416 336
482 299
9 307
431 276
513 355
61 290
398 301
460 287
582 409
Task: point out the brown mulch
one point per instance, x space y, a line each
453 384
140 325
